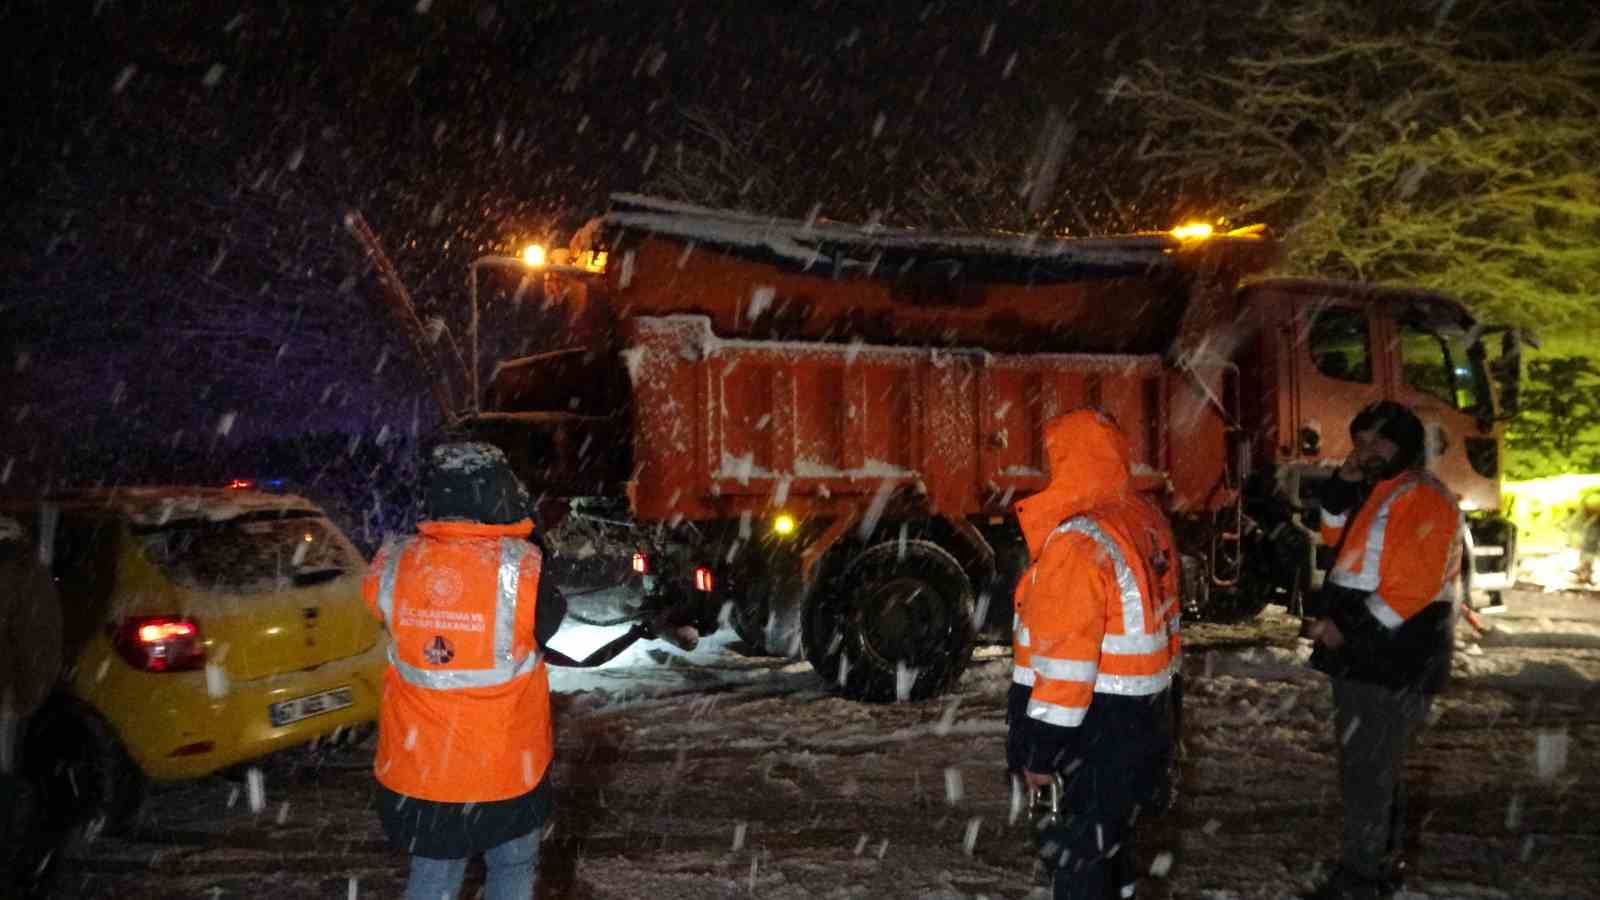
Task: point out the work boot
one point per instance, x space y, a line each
1343 884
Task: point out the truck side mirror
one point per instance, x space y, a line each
1507 373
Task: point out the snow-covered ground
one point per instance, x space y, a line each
713 775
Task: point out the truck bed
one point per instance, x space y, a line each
720 363
725 425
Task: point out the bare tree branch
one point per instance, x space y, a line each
1433 152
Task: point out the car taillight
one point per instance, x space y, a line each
161 644
641 563
703 580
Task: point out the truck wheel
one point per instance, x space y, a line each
766 631
766 611
895 624
87 780
749 620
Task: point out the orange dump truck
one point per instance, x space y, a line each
819 430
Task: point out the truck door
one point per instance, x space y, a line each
1336 372
1434 375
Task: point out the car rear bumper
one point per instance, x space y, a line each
184 727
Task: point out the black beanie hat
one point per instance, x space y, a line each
1400 425
473 480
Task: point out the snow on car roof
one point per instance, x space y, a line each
160 505
877 249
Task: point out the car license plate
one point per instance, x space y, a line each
305 707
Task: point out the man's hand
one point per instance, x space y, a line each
1038 779
1363 464
1324 632
1369 456
1352 468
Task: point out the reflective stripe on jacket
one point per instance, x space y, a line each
1403 547
465 715
1095 620
1021 643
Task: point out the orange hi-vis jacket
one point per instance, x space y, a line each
465 715
1158 545
1403 548
1097 611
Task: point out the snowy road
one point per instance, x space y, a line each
712 775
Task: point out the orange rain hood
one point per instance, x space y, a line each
1088 469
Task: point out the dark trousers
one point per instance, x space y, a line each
1090 853
1374 726
1120 773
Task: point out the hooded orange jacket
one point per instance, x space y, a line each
465 715
1097 611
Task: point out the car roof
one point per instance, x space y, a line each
164 504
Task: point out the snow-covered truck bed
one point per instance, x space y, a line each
813 427
701 350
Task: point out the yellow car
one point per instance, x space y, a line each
204 627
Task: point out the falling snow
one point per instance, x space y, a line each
238 145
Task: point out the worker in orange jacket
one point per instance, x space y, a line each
464 729
1096 638
1384 630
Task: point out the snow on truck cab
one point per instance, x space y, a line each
823 427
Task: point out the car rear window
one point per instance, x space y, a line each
251 553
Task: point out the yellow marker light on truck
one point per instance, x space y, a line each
1192 231
783 524
533 255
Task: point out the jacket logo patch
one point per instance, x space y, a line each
438 651
442 587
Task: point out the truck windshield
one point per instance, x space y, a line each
1446 367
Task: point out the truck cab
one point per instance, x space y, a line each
1340 345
